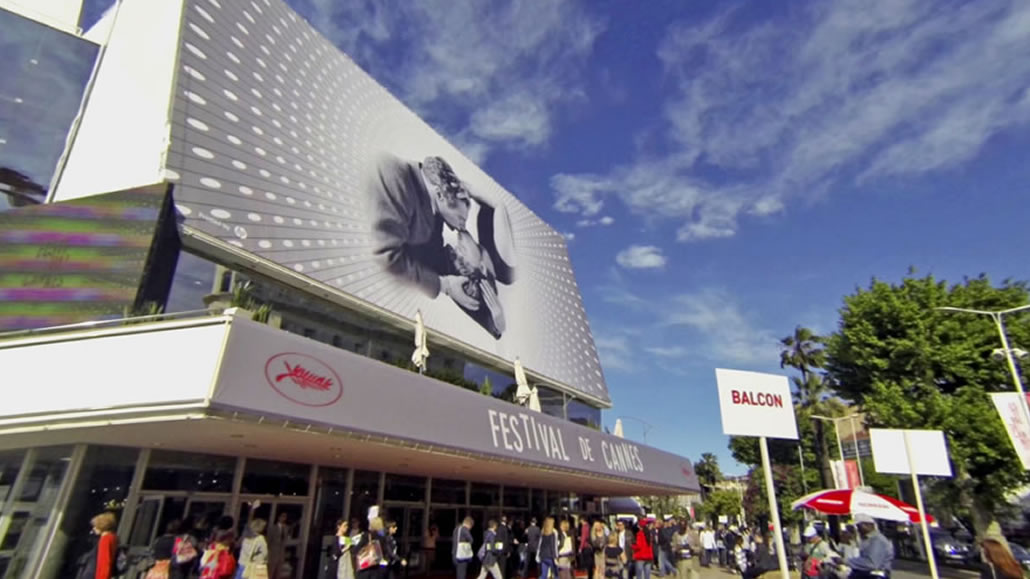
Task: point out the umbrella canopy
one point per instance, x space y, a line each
844 501
421 353
522 393
534 399
618 428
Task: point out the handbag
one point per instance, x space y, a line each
464 551
160 570
185 551
257 571
370 555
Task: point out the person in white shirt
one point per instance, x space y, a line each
709 545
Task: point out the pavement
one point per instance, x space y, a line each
903 569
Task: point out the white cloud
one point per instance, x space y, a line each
823 99
731 335
495 73
604 222
641 257
667 351
614 350
570 236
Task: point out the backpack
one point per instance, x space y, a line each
121 560
184 551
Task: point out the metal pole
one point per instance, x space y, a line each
919 505
858 458
801 459
1012 364
774 510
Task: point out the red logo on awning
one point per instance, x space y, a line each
303 379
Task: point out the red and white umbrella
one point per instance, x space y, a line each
845 501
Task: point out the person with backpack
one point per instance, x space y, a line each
161 550
101 562
490 552
185 553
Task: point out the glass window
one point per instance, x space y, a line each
405 488
170 470
483 494
272 477
516 497
193 280
365 493
331 485
448 492
552 402
10 464
102 485
584 414
43 73
538 506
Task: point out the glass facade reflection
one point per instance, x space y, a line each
43 74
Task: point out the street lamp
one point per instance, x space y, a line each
1007 351
647 426
854 439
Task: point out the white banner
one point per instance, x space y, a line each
929 451
755 404
1014 419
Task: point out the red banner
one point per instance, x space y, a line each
854 480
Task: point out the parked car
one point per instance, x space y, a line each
950 549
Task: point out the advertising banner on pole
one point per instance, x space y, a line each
929 452
1014 419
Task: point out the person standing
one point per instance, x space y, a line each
392 559
547 550
876 555
278 536
504 538
598 543
99 562
162 551
566 551
708 544
532 544
665 532
614 558
462 550
765 560
339 564
253 551
686 546
490 552
643 552
429 546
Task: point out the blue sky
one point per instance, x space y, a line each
724 171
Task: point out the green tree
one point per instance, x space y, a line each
911 366
720 502
708 472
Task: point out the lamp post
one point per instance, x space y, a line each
647 426
840 447
1008 352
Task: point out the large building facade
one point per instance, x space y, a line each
317 216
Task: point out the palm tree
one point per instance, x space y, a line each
803 351
707 471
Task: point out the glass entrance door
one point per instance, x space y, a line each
284 533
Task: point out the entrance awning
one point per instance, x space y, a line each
229 385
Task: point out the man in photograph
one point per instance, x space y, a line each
424 219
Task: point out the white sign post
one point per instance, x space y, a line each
1010 408
913 452
754 404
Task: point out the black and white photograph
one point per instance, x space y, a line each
291 152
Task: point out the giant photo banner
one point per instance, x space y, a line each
282 146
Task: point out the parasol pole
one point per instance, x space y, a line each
919 506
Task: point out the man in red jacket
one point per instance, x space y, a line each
643 551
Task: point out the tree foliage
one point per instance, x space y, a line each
708 472
720 502
911 366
